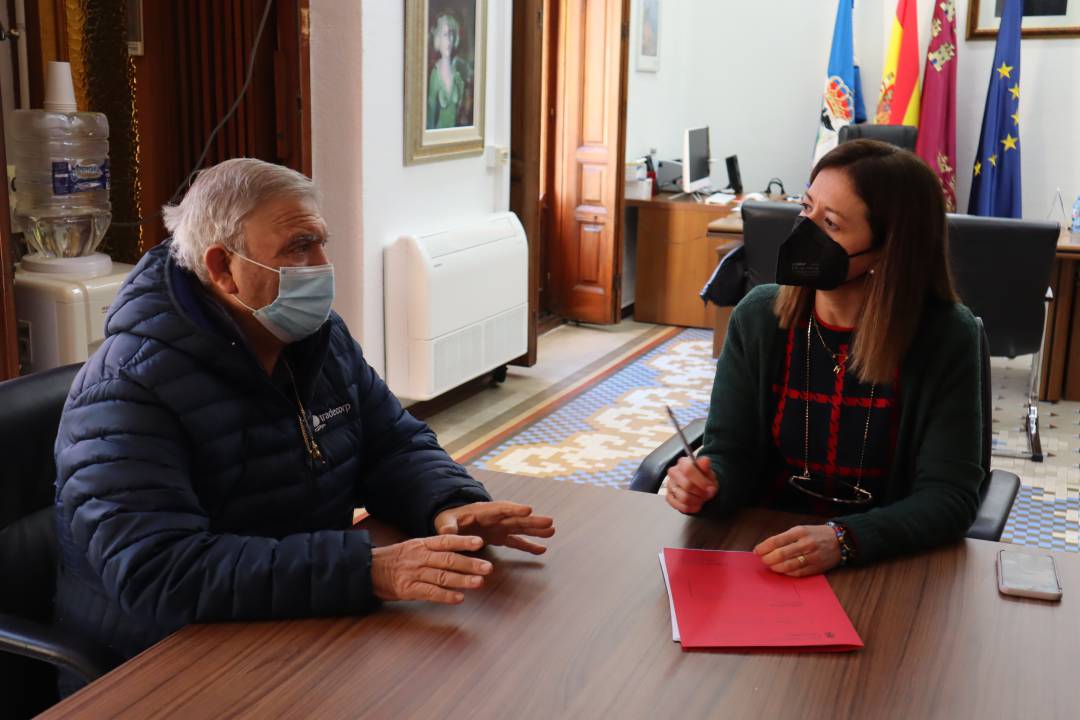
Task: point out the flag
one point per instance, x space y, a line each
898 103
860 106
937 121
995 182
838 103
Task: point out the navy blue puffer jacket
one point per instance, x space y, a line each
185 492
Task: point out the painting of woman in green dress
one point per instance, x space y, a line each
450 58
445 78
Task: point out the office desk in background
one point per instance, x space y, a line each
676 254
584 631
1061 343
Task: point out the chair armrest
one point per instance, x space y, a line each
653 469
38 641
1002 487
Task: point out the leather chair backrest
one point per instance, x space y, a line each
765 226
30 408
902 136
1002 268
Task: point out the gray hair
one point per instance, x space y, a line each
221 198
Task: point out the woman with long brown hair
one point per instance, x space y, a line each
852 390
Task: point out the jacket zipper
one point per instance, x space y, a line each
306 433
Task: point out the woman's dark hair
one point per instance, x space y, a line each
907 221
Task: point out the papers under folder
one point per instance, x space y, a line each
731 600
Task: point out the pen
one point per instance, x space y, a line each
682 435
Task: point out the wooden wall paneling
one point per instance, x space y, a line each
526 112
304 61
9 354
161 101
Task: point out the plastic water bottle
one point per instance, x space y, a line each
61 172
1076 215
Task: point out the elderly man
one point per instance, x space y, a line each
212 450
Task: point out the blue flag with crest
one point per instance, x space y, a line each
841 102
995 180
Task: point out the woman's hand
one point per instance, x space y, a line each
802 550
690 484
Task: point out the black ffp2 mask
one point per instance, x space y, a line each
808 257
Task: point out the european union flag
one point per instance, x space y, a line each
995 184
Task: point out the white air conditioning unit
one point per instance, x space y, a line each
456 305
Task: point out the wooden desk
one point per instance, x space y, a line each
1061 344
676 255
584 632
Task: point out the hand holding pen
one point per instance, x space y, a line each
691 481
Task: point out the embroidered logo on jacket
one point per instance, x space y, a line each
318 422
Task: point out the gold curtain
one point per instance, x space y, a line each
104 78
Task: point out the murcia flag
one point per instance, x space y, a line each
937 123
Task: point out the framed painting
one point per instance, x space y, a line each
1042 19
445 52
647 48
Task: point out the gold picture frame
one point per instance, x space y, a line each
982 21
445 79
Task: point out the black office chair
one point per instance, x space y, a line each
765 226
1002 270
30 648
902 136
996 494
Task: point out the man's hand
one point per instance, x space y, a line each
498 523
802 550
690 484
428 569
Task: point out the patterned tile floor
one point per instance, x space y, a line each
601 436
1046 513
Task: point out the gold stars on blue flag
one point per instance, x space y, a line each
995 179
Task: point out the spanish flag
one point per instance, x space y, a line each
898 103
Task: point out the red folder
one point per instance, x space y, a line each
730 599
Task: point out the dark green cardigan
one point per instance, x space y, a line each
932 495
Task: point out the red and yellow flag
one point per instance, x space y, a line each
898 103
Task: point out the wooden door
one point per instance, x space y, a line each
585 262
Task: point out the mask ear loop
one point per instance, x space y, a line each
253 262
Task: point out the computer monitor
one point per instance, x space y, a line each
695 159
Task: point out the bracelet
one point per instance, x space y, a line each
843 538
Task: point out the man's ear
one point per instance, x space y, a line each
216 261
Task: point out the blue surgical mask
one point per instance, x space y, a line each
303 302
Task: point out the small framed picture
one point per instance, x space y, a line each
445 53
648 41
1042 19
134 27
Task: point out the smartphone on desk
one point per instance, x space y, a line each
1028 575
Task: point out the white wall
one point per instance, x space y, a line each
371 197
753 72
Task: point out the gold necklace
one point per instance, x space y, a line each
861 495
838 358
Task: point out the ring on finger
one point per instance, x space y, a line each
802 561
